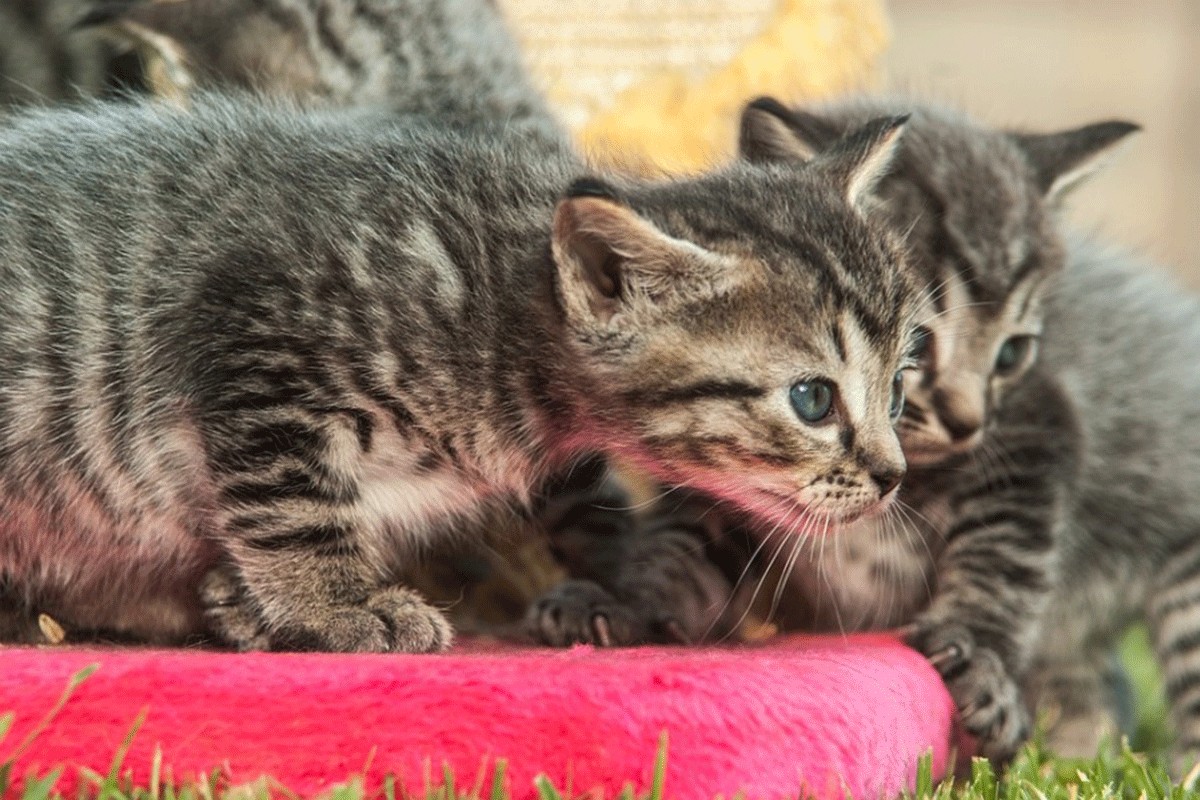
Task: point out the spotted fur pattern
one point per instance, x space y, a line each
253 359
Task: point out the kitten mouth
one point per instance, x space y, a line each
804 515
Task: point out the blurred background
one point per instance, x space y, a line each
1057 63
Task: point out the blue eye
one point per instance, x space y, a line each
1013 354
813 400
897 406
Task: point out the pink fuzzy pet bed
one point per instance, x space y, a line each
822 715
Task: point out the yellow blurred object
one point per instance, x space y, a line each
661 83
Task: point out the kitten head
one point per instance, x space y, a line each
976 207
681 302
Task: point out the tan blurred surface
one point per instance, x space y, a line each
1056 63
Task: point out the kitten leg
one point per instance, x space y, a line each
1079 699
997 566
643 579
319 601
1175 627
304 557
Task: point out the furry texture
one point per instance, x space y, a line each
1121 336
43 60
288 351
837 716
451 59
969 561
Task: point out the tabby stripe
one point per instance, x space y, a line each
1009 516
702 390
320 537
1178 685
292 485
1184 641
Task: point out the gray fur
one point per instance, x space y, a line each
452 59
272 351
969 561
1122 337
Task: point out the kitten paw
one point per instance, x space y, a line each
581 612
990 705
392 620
228 612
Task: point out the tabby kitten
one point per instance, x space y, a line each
454 59
969 566
279 350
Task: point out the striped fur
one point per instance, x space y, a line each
969 560
453 59
254 358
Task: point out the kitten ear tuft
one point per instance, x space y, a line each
1062 161
611 260
157 32
593 187
858 161
770 131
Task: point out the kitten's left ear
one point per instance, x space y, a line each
858 161
612 260
1061 161
770 131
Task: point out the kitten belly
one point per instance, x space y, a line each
137 579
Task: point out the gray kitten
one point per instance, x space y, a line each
453 59
970 561
280 350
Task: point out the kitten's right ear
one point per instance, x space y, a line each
611 260
1061 161
770 131
858 161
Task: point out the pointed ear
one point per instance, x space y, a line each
611 260
1061 161
858 161
772 132
155 31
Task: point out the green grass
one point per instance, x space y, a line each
1035 774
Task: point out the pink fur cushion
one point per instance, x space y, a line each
827 714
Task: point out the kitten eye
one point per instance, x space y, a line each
813 400
1013 354
922 344
897 406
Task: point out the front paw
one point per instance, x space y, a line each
392 620
989 701
229 613
581 612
